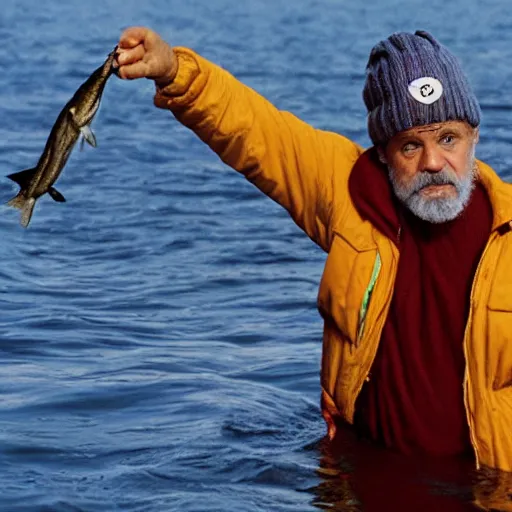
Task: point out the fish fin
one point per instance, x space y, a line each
82 143
26 211
17 201
23 178
25 205
56 195
88 135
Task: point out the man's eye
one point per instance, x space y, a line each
410 146
448 139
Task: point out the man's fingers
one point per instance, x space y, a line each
143 54
130 56
132 37
331 424
331 431
137 70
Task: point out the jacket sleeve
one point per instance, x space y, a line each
287 159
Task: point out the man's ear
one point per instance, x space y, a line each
477 135
382 155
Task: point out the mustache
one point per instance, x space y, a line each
443 177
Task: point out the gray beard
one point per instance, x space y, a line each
436 210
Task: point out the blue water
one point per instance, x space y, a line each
159 340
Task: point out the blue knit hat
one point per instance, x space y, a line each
413 80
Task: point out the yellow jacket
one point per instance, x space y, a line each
306 171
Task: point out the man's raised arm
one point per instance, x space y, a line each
287 159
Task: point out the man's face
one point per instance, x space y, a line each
432 168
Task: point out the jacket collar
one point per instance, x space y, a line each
500 195
372 195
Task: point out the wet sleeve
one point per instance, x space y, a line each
287 159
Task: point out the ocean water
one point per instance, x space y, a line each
159 339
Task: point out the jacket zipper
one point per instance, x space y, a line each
373 278
368 375
367 297
466 356
372 326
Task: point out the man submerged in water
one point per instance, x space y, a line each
416 290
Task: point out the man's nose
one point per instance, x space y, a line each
432 159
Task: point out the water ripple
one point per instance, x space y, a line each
160 340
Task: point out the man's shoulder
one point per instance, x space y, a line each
492 178
499 191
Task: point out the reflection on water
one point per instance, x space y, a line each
358 476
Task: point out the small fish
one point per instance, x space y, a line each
73 121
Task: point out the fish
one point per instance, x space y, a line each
72 122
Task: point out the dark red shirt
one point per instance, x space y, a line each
414 399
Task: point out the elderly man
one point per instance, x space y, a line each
416 290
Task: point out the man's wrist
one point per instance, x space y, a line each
163 82
186 72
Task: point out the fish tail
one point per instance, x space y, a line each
26 205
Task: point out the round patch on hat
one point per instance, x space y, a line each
426 90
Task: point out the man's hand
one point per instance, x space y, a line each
142 53
331 425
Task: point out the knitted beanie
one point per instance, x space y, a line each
413 80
